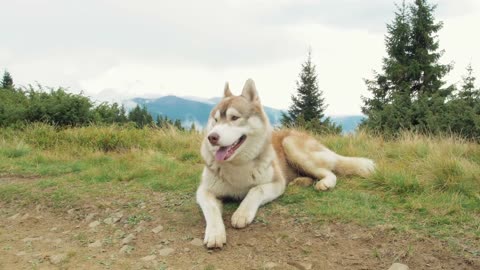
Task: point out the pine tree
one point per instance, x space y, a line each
409 93
468 92
391 89
308 105
140 116
7 80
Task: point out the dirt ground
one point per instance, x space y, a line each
105 236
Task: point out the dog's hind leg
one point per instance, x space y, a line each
312 158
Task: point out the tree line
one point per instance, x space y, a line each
19 106
409 93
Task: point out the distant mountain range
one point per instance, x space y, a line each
196 110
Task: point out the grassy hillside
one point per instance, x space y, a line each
429 186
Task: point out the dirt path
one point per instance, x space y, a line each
120 238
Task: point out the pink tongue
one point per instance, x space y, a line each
221 153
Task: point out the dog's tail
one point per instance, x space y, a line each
354 166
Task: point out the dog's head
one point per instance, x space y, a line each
237 127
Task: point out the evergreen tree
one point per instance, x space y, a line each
308 105
193 128
178 124
468 92
409 93
7 81
140 116
391 89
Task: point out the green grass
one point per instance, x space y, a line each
428 185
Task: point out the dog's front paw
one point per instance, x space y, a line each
242 218
215 237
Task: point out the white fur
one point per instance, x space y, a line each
249 175
228 133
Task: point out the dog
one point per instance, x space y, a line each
245 159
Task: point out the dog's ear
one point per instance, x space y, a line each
250 91
226 91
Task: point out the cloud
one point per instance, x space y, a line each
119 49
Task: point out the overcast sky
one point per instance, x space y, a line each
114 49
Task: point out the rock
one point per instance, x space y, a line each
157 229
398 266
54 229
301 265
71 211
114 218
95 244
25 216
128 239
90 217
31 239
14 216
197 242
165 251
148 258
55 241
94 224
186 250
21 253
126 249
58 258
139 228
270 265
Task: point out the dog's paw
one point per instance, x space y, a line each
241 218
215 237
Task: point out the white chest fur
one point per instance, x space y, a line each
231 180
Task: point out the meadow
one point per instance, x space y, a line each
423 186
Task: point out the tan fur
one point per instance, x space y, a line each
260 168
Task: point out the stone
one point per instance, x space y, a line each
90 217
126 249
128 239
157 229
58 258
139 228
270 265
149 258
301 265
94 224
398 266
31 239
71 211
21 253
197 242
14 216
165 252
54 229
95 244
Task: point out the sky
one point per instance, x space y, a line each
113 50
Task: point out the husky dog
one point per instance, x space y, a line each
246 160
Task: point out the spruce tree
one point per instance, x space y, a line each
308 105
386 110
468 92
7 80
409 93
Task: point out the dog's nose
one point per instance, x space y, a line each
213 138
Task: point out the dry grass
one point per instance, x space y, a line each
429 185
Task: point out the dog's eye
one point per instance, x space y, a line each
234 118
215 119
